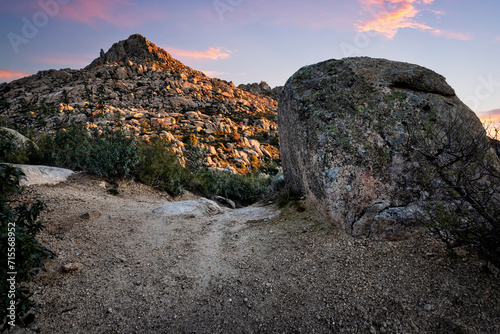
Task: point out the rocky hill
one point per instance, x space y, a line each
140 87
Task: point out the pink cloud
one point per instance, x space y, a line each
121 13
495 113
391 17
452 35
213 73
65 59
388 16
9 75
211 53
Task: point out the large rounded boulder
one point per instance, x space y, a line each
353 133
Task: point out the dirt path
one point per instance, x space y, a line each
241 271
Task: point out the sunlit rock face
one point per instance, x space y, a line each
143 90
346 131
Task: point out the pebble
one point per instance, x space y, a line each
71 267
90 214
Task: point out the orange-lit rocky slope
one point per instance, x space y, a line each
140 87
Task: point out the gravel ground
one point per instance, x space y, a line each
238 272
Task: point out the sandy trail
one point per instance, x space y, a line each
241 271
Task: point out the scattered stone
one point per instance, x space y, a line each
90 214
226 201
71 267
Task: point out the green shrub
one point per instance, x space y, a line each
20 251
159 166
112 154
68 148
245 188
108 153
10 150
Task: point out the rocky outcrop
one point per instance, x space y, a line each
136 49
262 88
345 132
139 87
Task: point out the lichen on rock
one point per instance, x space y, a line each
345 127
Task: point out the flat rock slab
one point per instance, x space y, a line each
38 175
196 208
204 207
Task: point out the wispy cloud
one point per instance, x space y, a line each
452 35
495 113
388 16
121 13
213 73
9 75
211 53
64 59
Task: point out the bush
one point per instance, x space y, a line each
66 148
245 188
108 153
112 154
159 166
20 251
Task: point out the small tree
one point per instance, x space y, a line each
461 171
96 104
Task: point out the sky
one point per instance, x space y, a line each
252 40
